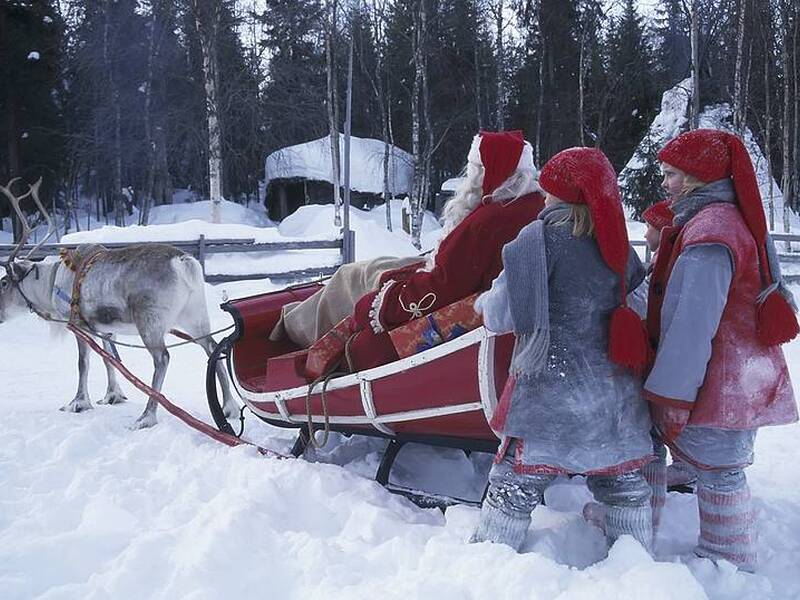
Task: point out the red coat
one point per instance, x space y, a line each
467 261
746 383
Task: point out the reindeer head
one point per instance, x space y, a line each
16 270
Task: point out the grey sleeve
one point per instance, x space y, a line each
634 271
694 300
495 306
637 299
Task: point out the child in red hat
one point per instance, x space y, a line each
574 400
657 216
717 314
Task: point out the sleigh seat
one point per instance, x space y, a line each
440 392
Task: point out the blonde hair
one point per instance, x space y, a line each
690 184
581 218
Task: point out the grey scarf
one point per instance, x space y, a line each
525 262
722 190
688 206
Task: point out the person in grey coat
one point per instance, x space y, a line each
574 402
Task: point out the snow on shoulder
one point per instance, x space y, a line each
312 161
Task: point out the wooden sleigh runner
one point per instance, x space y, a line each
441 396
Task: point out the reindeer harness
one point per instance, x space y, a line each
79 261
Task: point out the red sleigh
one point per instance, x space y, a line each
442 396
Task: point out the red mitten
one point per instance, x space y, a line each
669 421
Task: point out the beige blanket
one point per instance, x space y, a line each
307 321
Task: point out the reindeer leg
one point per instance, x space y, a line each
152 331
81 400
114 394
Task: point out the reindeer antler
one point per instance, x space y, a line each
33 192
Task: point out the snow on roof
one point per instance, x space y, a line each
312 160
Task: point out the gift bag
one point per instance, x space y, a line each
327 352
443 325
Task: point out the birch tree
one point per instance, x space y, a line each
332 101
207 18
786 178
739 101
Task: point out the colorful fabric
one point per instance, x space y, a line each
745 383
711 155
727 519
326 353
467 261
585 176
440 326
582 413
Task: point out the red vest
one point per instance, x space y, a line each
747 384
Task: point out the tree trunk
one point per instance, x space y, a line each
796 130
786 177
147 202
333 110
738 101
540 99
695 41
207 15
116 145
11 121
768 131
581 83
501 66
478 94
429 143
416 149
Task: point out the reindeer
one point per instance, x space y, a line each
146 289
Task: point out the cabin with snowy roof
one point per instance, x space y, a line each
303 174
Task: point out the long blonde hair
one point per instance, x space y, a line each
690 184
579 215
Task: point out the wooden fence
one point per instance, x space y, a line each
786 255
202 247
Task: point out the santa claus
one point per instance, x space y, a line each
498 196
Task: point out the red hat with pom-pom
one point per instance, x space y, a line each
710 155
500 153
659 215
585 176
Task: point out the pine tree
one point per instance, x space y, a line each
31 117
631 101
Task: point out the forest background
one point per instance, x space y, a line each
116 103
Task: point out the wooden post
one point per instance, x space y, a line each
347 251
201 253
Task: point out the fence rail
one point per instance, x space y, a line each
202 247
786 258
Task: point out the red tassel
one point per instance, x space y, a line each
777 323
627 341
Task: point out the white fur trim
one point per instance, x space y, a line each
474 155
377 305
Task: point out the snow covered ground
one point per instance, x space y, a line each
90 509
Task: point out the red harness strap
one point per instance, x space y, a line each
224 438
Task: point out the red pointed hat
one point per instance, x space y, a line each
499 153
659 215
585 176
710 155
